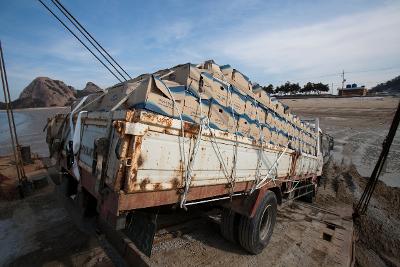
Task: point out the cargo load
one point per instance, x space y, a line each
222 95
182 136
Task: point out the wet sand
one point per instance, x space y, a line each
359 126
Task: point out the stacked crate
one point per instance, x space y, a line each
224 96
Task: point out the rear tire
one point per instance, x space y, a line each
255 233
229 225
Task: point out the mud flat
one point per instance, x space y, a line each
359 126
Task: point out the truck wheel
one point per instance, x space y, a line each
229 225
255 233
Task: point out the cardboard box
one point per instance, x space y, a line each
255 130
272 121
280 109
192 110
281 139
267 133
214 89
226 70
250 109
268 118
262 97
155 95
241 81
114 95
237 79
184 74
221 118
213 69
274 138
237 100
244 126
260 115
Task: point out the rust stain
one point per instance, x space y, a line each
121 180
189 127
130 115
135 160
177 175
157 118
144 183
138 144
134 175
158 186
119 126
140 160
165 120
175 183
167 131
254 142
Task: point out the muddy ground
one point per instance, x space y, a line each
359 126
39 231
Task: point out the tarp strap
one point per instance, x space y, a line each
75 135
76 144
71 116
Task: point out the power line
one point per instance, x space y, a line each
80 40
85 33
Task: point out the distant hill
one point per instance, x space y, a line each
90 88
391 87
46 92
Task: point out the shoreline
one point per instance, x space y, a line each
37 108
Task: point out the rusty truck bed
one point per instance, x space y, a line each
144 166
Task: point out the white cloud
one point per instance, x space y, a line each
358 42
171 32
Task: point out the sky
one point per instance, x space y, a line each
269 41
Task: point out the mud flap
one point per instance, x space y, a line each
141 228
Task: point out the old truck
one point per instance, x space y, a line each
153 144
132 160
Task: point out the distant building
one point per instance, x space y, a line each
353 90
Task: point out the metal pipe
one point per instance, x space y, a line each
213 199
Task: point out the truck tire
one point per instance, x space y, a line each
255 233
229 225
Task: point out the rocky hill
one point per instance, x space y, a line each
46 92
391 87
90 88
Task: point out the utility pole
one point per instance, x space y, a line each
332 89
343 80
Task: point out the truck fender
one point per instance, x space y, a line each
247 205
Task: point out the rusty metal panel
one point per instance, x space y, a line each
159 165
114 160
145 154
